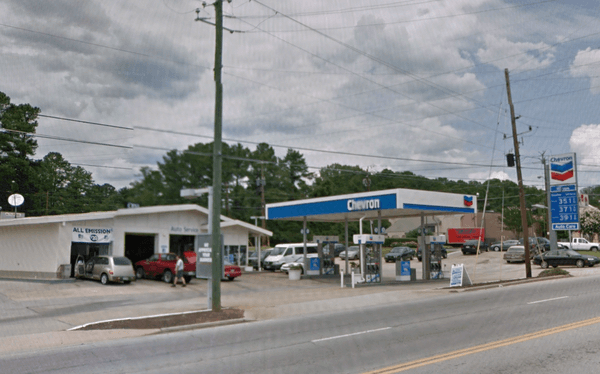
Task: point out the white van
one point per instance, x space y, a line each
283 253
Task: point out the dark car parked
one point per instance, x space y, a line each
337 249
253 258
537 244
503 246
420 256
400 254
470 246
565 257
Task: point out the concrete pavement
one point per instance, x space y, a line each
37 315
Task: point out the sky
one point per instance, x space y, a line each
415 85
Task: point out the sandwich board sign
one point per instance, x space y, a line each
459 276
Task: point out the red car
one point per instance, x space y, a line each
231 271
162 266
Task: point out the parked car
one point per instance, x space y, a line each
337 249
162 266
298 262
503 246
352 253
516 253
275 258
399 253
420 256
564 257
537 244
470 246
231 271
107 269
253 258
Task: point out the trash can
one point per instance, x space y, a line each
413 275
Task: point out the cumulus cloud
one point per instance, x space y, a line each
504 53
586 64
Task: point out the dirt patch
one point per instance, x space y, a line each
168 321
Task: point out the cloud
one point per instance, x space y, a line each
515 56
586 64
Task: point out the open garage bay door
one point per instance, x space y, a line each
139 246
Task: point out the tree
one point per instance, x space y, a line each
590 222
17 145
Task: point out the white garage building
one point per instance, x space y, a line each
43 247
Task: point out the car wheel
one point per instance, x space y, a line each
580 263
188 279
464 253
445 255
230 278
168 276
544 265
555 266
126 282
496 249
140 273
594 249
104 279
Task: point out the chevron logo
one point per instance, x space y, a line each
468 200
562 172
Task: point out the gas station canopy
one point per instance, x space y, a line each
395 203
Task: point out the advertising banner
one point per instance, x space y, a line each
100 235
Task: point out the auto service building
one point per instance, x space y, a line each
44 247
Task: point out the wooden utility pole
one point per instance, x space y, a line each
520 178
217 267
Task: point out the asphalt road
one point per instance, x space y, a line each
540 327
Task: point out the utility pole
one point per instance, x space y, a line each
216 253
520 178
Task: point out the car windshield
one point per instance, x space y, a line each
278 251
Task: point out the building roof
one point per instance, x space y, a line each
394 203
225 221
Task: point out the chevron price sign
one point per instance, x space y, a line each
563 192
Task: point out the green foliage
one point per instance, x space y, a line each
553 272
590 222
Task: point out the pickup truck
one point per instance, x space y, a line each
162 266
581 244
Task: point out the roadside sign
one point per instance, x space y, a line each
564 205
459 276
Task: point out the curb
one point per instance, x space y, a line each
202 325
506 284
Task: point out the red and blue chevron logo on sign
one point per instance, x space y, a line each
562 172
468 200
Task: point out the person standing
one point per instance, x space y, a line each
179 272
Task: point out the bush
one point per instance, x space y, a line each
553 272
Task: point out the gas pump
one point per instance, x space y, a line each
370 259
436 243
327 257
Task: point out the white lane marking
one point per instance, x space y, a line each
543 301
347 335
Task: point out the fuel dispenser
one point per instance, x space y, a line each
370 259
327 257
435 244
